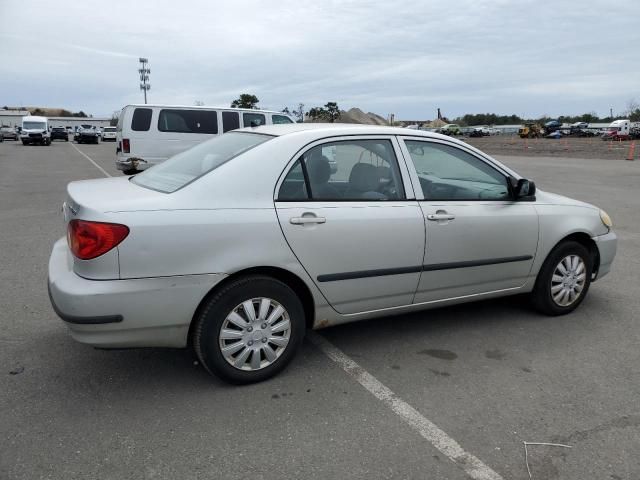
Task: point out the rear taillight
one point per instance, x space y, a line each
89 240
125 145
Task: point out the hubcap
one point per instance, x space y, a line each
255 333
568 280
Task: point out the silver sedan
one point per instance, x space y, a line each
241 243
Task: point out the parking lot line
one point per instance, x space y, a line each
475 468
90 159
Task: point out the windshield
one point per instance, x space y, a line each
185 167
109 129
34 125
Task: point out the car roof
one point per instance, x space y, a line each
336 129
205 107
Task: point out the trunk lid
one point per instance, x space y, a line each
97 201
104 195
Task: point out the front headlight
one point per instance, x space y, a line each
606 219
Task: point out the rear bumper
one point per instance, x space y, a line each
131 163
146 312
607 247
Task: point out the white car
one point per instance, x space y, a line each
109 134
241 243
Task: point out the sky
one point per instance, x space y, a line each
402 57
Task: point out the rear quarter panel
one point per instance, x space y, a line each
192 242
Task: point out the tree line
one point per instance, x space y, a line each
330 112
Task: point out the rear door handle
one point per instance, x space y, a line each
440 216
306 220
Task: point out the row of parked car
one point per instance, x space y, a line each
36 130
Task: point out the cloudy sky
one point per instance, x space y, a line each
402 57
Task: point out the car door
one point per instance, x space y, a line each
478 239
348 212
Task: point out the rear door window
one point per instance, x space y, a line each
351 170
188 121
253 119
230 121
141 121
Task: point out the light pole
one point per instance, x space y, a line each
144 76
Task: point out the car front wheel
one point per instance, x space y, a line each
564 279
249 330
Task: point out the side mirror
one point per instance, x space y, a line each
523 189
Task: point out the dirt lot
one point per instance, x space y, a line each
544 147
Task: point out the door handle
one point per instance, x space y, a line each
306 220
440 216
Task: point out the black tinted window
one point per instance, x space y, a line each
141 119
253 119
188 121
230 121
276 119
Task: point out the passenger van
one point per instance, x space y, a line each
35 130
149 134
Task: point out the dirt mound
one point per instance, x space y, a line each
355 115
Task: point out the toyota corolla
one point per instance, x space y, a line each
240 244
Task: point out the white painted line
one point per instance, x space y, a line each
427 429
90 159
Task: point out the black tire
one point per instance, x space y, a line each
214 312
541 296
132 171
24 143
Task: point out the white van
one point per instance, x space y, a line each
35 130
149 134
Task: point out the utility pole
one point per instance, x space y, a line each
144 76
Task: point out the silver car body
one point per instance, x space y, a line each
354 260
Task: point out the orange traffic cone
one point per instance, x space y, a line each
632 151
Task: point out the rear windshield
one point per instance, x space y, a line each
185 167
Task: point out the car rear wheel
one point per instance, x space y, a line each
564 279
249 330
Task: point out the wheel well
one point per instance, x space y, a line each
290 279
585 240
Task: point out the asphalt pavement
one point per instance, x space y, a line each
490 374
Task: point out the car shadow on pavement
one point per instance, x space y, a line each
79 367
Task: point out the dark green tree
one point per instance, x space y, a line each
333 112
317 113
246 100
